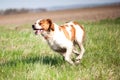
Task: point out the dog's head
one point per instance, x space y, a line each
42 25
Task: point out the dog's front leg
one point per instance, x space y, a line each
67 55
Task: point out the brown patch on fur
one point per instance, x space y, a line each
46 24
51 25
73 32
83 32
75 23
66 25
62 28
81 26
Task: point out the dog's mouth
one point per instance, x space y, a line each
37 31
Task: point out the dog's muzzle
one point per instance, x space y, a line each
37 31
33 27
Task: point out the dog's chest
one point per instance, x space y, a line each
58 42
56 46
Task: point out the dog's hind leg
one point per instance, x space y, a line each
75 51
79 57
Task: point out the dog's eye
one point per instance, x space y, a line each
40 23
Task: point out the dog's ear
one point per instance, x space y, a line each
51 26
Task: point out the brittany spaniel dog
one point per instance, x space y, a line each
62 39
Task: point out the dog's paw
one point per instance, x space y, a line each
77 62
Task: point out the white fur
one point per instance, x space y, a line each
57 40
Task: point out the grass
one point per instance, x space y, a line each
23 56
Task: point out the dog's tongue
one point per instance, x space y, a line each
37 32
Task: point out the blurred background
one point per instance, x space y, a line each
52 4
58 10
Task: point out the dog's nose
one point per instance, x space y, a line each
33 26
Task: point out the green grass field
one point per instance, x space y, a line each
23 56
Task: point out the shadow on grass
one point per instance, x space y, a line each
47 60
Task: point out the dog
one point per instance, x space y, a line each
62 39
